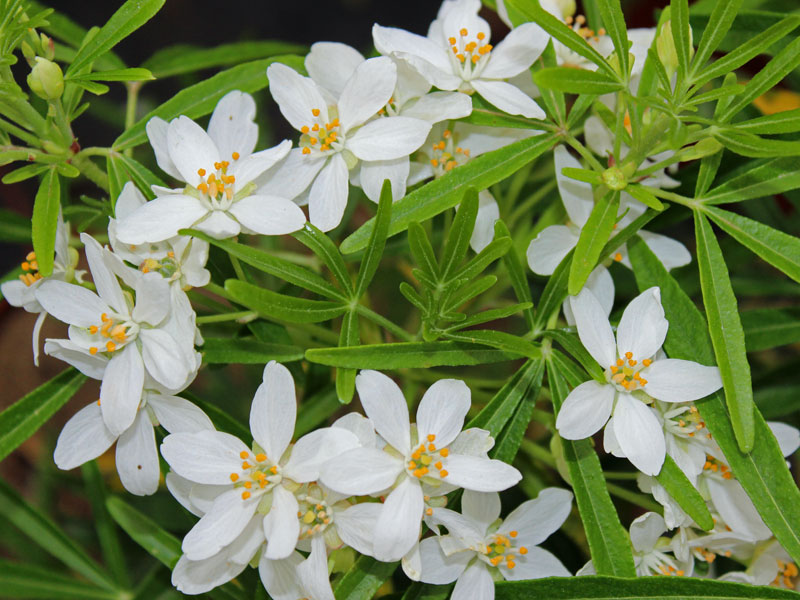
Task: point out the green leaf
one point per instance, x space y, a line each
348 336
315 409
136 74
719 23
23 418
762 472
14 227
570 342
447 191
24 173
408 355
143 177
517 273
684 493
501 340
116 178
183 58
495 249
488 115
98 89
614 22
608 541
553 100
160 544
645 196
459 235
363 579
127 19
759 178
46 534
510 438
46 206
501 408
30 581
280 306
787 121
777 401
247 351
321 245
576 81
779 249
641 588
493 314
766 328
221 419
201 98
681 34
377 241
280 268
727 335
753 146
422 251
594 235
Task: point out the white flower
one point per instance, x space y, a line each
478 544
411 457
634 375
330 65
120 338
180 259
337 134
219 168
257 482
22 291
767 564
457 55
85 437
651 551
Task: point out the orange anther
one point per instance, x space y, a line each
647 362
234 476
248 484
30 256
452 40
523 550
245 495
481 35
93 329
444 452
512 533
246 465
244 454
315 112
92 350
629 355
431 447
463 31
111 346
104 317
261 457
26 266
306 150
235 156
511 564
443 473
429 511
273 469
632 362
201 172
438 465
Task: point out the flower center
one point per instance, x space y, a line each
469 54
319 136
625 374
578 26
787 573
31 268
428 461
685 421
258 474
315 515
112 333
705 554
499 548
658 563
168 266
446 156
712 465
218 186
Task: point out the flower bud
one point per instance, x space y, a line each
614 178
29 53
48 47
46 79
665 47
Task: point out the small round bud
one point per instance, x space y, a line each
46 79
614 178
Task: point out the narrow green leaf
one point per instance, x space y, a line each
98 89
553 100
570 342
787 121
501 408
576 81
460 233
51 538
283 269
377 241
117 178
363 579
645 196
135 74
23 418
779 249
719 23
766 328
488 115
201 98
501 340
517 274
143 177
759 178
608 541
754 146
30 581
160 544
422 251
127 19
247 351
762 472
594 235
510 438
46 206
221 419
681 34
777 401
727 335
493 314
14 227
684 493
641 588
321 245
408 355
614 23
348 336
447 191
495 249
184 58
280 306
24 173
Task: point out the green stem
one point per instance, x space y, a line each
537 452
91 171
524 208
634 498
585 153
95 151
388 325
677 198
237 267
130 108
243 316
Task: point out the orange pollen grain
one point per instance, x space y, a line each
261 457
244 454
523 550
315 112
234 476
92 350
235 156
246 465
111 346
429 511
245 495
443 473
463 31
512 533
444 452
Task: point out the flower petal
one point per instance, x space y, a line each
84 437
594 330
536 520
367 91
160 219
642 328
291 176
152 299
442 410
328 196
646 530
639 434
585 410
576 195
201 576
356 525
177 415
314 449
313 571
281 526
508 98
475 583
437 568
221 525
389 40
107 286
280 577
736 508
250 167
361 471
137 457
388 138
440 106
296 95
671 253
71 303
121 390
205 456
231 127
78 357
537 563
516 52
788 437
398 526
156 129
268 215
483 507
191 149
374 172
331 64
598 137
548 249
386 407
488 214
675 380
480 474
218 225
274 410
163 359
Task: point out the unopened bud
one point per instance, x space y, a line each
48 47
46 79
665 47
614 178
29 53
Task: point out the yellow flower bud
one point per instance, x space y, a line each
46 79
